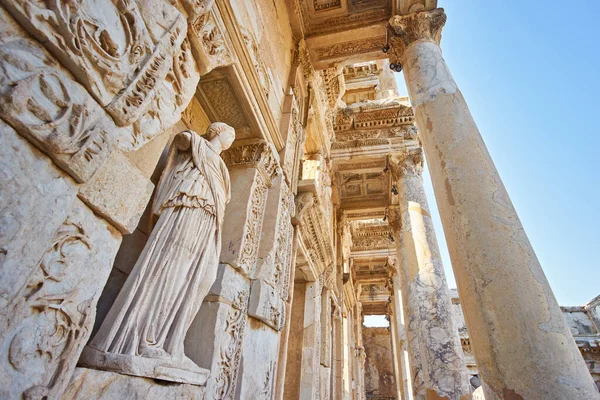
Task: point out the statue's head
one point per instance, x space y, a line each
222 131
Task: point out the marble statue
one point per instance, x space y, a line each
144 332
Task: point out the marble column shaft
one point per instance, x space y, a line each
522 345
408 309
442 359
400 336
398 346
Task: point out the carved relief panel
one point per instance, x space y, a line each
127 54
44 104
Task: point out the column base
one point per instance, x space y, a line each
181 371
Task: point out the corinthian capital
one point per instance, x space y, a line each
423 25
407 164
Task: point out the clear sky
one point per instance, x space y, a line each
529 72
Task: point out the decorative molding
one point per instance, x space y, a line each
315 231
335 87
349 48
375 114
221 101
259 65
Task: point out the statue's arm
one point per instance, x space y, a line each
183 140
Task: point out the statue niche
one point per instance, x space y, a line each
144 332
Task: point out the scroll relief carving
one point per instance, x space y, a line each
121 51
58 322
40 100
285 236
231 349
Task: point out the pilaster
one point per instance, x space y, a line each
253 165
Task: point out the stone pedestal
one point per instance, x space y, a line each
521 343
444 371
92 384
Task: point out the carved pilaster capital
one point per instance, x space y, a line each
406 164
254 153
424 25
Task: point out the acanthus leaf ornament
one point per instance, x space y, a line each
410 28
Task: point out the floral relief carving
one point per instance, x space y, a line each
410 163
294 140
424 25
231 348
350 48
285 247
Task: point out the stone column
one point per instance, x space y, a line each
403 378
444 369
521 343
396 343
406 306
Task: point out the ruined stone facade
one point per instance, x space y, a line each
325 219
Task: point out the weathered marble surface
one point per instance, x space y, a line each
35 198
118 192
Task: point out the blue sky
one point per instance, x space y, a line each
529 72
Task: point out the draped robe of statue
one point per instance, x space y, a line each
147 324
